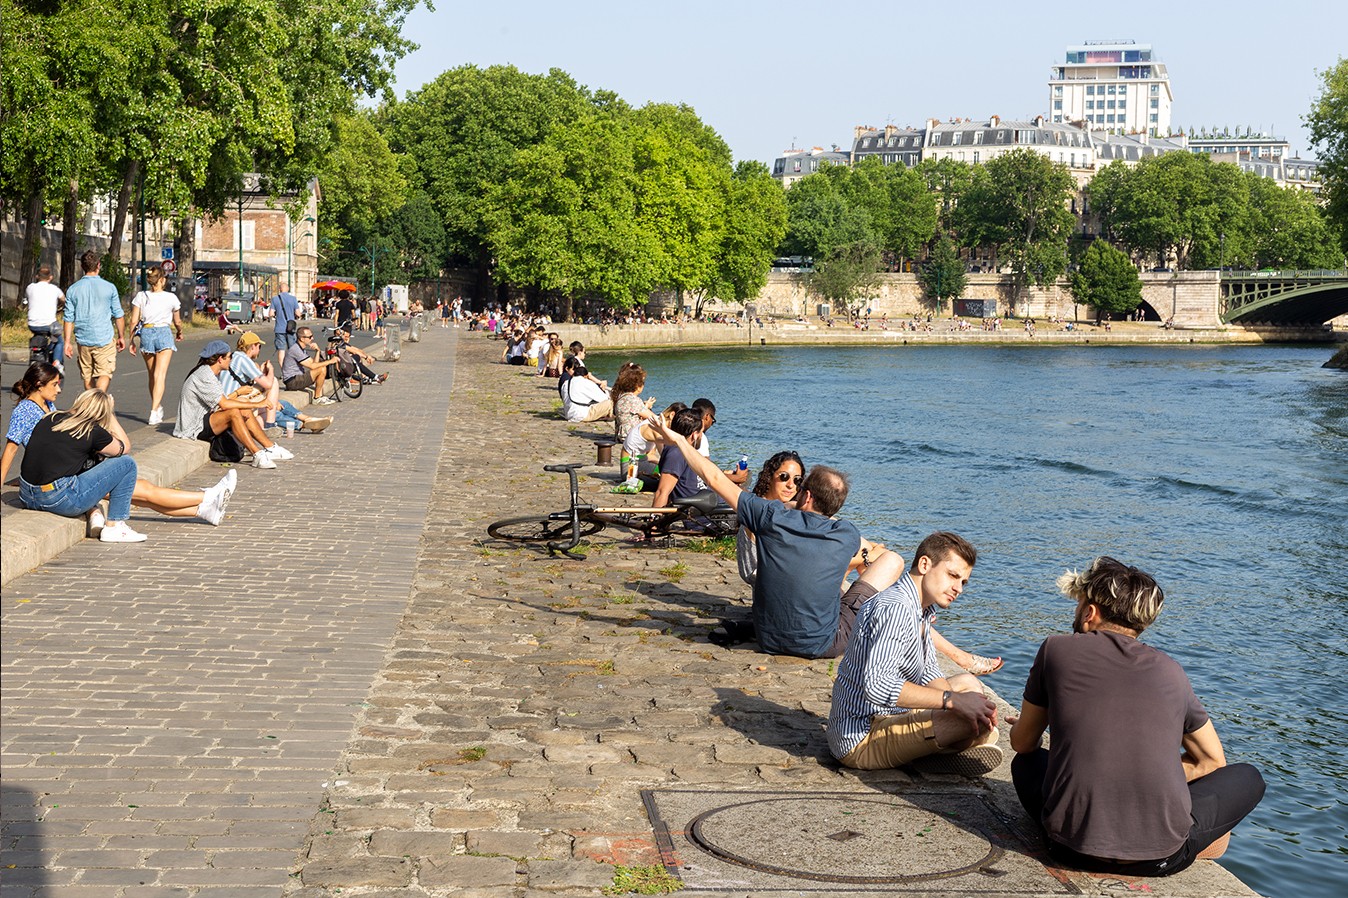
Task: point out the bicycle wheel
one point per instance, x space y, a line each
352 386
535 529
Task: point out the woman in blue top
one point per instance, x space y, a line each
39 387
36 391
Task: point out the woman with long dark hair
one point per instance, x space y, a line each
36 392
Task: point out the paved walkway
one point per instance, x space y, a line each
407 708
172 710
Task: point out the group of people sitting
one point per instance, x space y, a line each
74 460
1134 781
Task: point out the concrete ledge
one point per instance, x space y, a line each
32 538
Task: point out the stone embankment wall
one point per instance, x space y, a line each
1189 296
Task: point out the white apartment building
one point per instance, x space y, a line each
795 164
1116 86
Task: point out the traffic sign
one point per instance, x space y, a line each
166 253
169 266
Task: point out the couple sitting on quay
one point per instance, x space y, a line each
1134 781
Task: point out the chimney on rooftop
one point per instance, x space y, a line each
994 121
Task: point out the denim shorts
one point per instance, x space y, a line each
283 341
156 339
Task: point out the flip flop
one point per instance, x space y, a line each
981 667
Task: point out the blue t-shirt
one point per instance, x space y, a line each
802 557
91 304
676 464
285 308
26 415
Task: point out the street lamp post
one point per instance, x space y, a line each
1223 258
290 243
373 250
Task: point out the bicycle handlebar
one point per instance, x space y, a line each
562 469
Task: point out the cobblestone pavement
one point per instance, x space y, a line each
528 700
173 709
500 711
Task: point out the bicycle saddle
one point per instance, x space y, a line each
703 502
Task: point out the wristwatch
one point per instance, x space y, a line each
945 700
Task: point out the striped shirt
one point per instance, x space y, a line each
890 645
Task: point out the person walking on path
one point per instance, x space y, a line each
44 300
1134 781
285 310
93 322
156 311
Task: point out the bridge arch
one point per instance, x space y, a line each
1303 304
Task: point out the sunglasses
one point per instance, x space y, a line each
783 477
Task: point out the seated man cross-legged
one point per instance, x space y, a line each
205 411
1134 781
803 554
891 702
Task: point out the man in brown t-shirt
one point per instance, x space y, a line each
1134 781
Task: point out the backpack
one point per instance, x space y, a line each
227 448
346 363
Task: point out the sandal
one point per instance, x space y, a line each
981 667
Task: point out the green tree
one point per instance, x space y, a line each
942 275
1328 124
755 223
418 238
820 217
1018 204
902 211
847 275
361 180
947 180
1288 228
464 130
1107 280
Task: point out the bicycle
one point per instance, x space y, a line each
344 376
701 514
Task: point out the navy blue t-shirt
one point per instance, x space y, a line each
802 557
673 462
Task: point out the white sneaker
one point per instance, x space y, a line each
120 532
156 416
212 508
280 453
323 400
96 522
230 481
263 460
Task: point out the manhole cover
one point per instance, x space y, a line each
841 839
809 842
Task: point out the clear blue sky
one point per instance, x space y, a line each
767 74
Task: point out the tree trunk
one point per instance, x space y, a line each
123 203
184 255
69 234
32 241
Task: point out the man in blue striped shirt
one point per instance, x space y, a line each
891 703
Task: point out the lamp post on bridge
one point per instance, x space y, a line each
1223 257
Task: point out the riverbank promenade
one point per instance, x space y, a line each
348 689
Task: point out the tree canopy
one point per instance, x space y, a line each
1328 124
1107 279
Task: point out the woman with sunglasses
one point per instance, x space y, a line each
779 479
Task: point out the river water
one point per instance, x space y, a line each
1223 471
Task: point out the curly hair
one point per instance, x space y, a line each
772 466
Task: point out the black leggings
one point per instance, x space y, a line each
1219 801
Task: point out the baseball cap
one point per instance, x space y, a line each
214 348
248 338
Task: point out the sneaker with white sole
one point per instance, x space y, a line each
97 521
212 508
120 532
279 452
263 460
156 416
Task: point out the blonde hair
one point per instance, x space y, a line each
92 408
1125 595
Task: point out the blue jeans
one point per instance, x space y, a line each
57 333
288 413
73 496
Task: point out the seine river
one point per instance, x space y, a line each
1221 470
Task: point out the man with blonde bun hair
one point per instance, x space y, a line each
1134 781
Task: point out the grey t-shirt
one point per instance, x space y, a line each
1117 712
201 394
292 364
802 557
